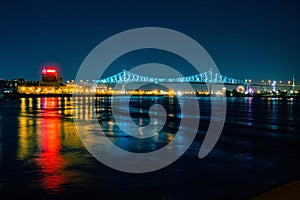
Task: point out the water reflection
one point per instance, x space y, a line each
43 133
40 151
139 113
0 138
249 110
49 159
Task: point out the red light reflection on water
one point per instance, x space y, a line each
50 160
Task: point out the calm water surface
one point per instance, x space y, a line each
41 154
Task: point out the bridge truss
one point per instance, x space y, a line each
206 77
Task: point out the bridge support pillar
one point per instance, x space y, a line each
209 87
123 90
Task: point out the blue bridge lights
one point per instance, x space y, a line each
206 77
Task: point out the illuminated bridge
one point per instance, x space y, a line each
206 77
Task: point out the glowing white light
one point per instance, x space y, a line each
179 93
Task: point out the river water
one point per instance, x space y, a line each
41 154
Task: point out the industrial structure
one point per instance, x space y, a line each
50 76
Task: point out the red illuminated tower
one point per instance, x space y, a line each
50 75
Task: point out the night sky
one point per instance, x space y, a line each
246 39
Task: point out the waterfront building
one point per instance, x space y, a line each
51 77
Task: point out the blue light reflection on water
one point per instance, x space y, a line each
41 153
269 145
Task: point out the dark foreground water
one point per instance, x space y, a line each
42 156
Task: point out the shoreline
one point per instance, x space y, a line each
286 191
23 95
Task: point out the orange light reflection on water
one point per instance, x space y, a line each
50 159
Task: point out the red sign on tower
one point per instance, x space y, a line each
49 74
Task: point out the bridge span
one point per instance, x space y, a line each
206 77
209 79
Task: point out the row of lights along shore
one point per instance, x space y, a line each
52 83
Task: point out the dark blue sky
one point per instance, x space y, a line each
246 39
